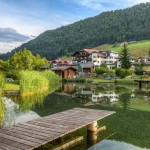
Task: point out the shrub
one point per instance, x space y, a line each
101 70
112 71
14 74
123 72
139 72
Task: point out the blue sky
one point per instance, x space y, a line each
33 17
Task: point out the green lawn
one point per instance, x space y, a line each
140 44
138 49
11 86
97 80
66 58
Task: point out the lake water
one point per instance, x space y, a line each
128 129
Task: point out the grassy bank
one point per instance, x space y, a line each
118 81
98 80
140 48
36 82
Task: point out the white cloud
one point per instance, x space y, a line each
104 5
7 47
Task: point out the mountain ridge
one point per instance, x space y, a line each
108 27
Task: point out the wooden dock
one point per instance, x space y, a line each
143 81
32 134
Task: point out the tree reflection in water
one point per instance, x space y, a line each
124 100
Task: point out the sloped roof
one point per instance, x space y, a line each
87 65
89 50
101 54
111 51
62 68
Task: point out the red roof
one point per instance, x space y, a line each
101 54
89 50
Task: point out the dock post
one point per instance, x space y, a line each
92 127
92 133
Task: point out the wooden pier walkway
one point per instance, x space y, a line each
143 81
32 134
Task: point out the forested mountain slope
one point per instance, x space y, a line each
109 27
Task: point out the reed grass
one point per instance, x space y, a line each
32 82
2 83
2 113
36 100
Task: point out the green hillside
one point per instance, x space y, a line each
130 24
140 48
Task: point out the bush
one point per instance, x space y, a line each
112 71
123 72
12 74
139 72
101 70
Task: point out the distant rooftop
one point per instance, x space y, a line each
89 50
64 68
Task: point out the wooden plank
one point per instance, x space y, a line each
51 124
3 148
34 131
37 131
43 129
18 140
29 135
54 128
15 144
9 147
21 136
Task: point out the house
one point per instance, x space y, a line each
100 97
97 58
124 43
109 57
66 72
83 56
83 67
87 67
57 63
144 59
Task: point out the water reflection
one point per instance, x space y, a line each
111 94
2 112
10 113
15 109
114 145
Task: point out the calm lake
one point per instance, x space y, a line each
128 129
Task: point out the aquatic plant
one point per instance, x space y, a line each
36 100
2 82
36 82
2 113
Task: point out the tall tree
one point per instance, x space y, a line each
125 58
25 60
2 65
